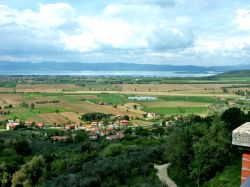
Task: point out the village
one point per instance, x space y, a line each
112 129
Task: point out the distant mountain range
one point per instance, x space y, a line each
76 66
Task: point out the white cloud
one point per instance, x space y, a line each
242 19
142 30
162 3
49 15
101 33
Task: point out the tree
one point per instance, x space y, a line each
126 117
225 90
30 173
22 148
105 123
81 136
18 178
113 150
233 117
95 116
32 106
215 142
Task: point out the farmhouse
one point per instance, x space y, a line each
11 125
124 122
151 115
92 136
89 127
94 123
117 136
143 98
28 123
103 132
59 138
40 124
231 103
69 127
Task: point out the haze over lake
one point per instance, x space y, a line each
111 73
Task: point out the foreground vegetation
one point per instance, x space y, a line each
198 148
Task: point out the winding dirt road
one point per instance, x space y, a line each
163 175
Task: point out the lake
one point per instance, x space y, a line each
111 73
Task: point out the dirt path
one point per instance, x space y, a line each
163 175
153 93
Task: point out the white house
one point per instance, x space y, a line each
151 115
11 125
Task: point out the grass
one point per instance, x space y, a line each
175 110
110 98
202 99
229 177
141 123
169 104
9 84
12 135
27 113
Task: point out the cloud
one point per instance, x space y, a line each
242 19
49 15
142 31
164 38
163 3
29 32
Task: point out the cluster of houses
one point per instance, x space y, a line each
12 124
112 131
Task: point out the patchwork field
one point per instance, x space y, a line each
45 88
64 99
178 88
176 110
71 116
86 107
13 99
173 104
53 118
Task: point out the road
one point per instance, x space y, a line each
163 175
153 93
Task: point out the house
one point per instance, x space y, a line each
103 132
143 98
11 125
88 127
117 136
28 123
93 136
124 122
40 124
94 123
151 115
70 127
231 103
59 138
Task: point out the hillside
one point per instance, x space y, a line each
230 74
115 66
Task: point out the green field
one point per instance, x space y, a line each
110 98
202 99
177 110
27 113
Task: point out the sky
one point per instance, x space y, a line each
175 32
